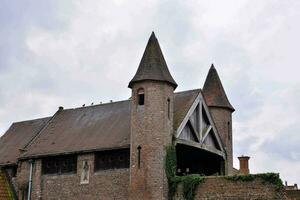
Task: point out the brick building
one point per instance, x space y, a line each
117 150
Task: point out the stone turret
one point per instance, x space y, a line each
151 124
221 111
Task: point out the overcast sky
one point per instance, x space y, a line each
70 53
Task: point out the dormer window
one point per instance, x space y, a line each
141 97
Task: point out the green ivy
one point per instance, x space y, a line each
189 182
272 178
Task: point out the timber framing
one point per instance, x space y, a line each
201 108
200 146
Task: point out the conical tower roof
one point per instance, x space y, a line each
153 65
214 92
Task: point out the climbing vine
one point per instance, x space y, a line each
189 182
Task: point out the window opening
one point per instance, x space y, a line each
59 164
112 159
169 108
139 156
228 124
141 97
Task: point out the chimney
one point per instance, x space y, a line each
244 164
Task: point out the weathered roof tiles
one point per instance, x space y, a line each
214 92
153 65
16 137
98 127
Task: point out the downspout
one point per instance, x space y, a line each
30 180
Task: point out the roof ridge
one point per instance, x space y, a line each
96 105
188 90
23 121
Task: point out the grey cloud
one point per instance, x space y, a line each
60 53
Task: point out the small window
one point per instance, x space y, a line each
228 126
169 108
59 164
139 148
113 159
141 97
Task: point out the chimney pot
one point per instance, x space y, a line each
244 164
60 108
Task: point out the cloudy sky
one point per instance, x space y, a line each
71 53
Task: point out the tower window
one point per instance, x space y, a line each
139 148
228 125
169 109
141 97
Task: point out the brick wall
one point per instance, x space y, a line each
105 185
151 129
220 188
223 121
293 194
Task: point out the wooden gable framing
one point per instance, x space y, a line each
198 129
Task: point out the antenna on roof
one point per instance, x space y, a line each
83 105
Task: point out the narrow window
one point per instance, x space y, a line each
141 97
139 156
169 108
228 124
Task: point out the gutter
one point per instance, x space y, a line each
30 179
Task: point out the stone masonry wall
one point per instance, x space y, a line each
151 129
223 121
219 188
104 185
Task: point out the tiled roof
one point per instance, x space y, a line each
214 92
98 127
16 137
5 190
153 65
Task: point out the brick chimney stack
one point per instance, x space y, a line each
244 164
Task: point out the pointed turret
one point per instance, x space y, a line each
153 65
214 92
152 108
221 112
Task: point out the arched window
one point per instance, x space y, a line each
141 97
